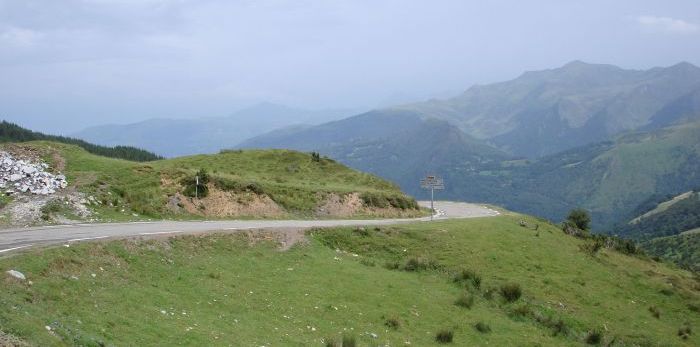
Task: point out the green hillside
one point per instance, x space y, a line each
255 184
672 217
682 249
485 281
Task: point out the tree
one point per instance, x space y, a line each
579 218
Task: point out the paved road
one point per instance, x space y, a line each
15 239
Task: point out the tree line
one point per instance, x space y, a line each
10 132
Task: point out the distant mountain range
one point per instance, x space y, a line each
177 137
588 135
545 112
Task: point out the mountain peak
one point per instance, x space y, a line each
684 66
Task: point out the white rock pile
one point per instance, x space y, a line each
19 176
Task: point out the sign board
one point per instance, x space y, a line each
432 182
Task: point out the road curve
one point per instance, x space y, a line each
16 239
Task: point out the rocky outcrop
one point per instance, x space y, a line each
20 176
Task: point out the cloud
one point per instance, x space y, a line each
667 24
20 36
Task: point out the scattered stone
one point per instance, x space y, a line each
20 176
16 274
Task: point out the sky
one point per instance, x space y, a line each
69 64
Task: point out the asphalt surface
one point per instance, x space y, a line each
17 239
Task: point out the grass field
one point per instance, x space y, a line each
293 180
395 286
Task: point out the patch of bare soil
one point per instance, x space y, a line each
285 238
7 340
334 205
349 205
227 204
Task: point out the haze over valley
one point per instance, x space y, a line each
349 173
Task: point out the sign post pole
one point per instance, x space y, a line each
433 183
196 187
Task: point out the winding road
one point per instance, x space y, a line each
20 238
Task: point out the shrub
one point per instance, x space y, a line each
367 262
580 218
349 341
193 189
591 248
593 337
522 311
559 327
685 331
315 157
470 277
392 323
444 336
482 327
511 291
655 312
465 300
392 265
488 294
419 264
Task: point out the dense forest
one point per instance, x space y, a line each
10 132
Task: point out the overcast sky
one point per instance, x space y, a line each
68 64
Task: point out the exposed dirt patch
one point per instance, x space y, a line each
349 205
228 204
340 206
284 237
7 340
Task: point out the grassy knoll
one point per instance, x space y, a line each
485 281
293 181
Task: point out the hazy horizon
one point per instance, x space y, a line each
70 64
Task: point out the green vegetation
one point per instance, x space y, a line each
291 180
10 132
671 217
225 289
683 249
579 218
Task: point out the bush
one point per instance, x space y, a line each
685 331
593 337
349 341
192 189
465 300
380 200
444 336
655 312
511 291
488 294
419 264
591 248
392 323
580 218
469 276
482 327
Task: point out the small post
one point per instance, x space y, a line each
196 187
432 182
432 209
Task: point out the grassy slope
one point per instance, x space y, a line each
291 178
683 249
662 206
219 290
